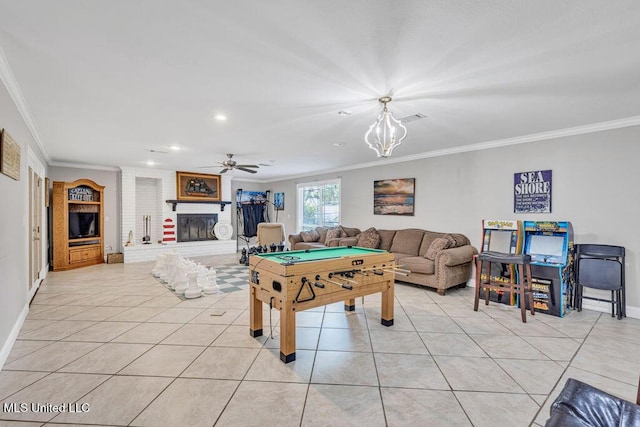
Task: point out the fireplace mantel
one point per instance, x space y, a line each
204 202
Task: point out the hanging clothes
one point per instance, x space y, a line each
252 215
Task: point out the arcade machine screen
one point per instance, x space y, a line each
544 248
500 241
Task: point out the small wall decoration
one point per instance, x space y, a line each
47 192
278 201
532 192
197 186
394 196
9 156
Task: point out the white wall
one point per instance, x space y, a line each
14 229
594 186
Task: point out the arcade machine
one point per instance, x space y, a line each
504 236
550 245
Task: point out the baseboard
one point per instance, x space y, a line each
11 339
34 289
605 307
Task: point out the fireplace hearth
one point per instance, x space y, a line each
196 227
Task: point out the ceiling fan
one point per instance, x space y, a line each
231 164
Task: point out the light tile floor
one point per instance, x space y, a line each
112 337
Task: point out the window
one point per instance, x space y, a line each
318 204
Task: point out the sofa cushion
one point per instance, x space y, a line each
457 239
332 233
436 246
322 232
418 264
350 231
309 236
429 237
386 238
407 241
369 238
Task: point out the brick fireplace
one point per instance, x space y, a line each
196 227
144 192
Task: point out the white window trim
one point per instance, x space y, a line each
301 185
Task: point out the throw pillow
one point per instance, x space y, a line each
334 233
456 239
309 236
436 246
343 233
369 238
322 231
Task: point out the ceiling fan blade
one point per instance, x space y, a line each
247 166
224 170
246 170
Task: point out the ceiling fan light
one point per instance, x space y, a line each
386 133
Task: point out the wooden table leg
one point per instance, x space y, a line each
350 304
287 333
387 306
255 314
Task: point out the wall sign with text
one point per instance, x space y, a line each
532 192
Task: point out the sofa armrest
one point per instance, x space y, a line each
456 256
293 239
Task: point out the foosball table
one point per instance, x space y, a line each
300 280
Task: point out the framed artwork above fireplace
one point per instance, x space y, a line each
197 186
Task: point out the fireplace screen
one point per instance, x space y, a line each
196 227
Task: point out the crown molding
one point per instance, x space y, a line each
10 82
542 136
84 166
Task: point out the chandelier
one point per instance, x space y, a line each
386 133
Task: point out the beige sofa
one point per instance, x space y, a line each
347 237
431 262
435 260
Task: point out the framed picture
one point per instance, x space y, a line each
394 196
278 201
198 186
532 191
250 197
9 156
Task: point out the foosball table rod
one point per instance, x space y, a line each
342 285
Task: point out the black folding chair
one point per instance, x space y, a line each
601 267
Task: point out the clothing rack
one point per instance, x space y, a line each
245 201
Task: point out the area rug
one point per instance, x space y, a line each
230 278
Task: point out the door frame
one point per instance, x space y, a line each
35 166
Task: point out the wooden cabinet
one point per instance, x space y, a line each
78 224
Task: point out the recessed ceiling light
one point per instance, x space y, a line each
220 117
175 147
150 163
344 113
338 144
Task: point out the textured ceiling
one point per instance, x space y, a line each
105 82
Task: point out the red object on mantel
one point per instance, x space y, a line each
169 234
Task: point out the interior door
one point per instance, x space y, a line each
35 225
